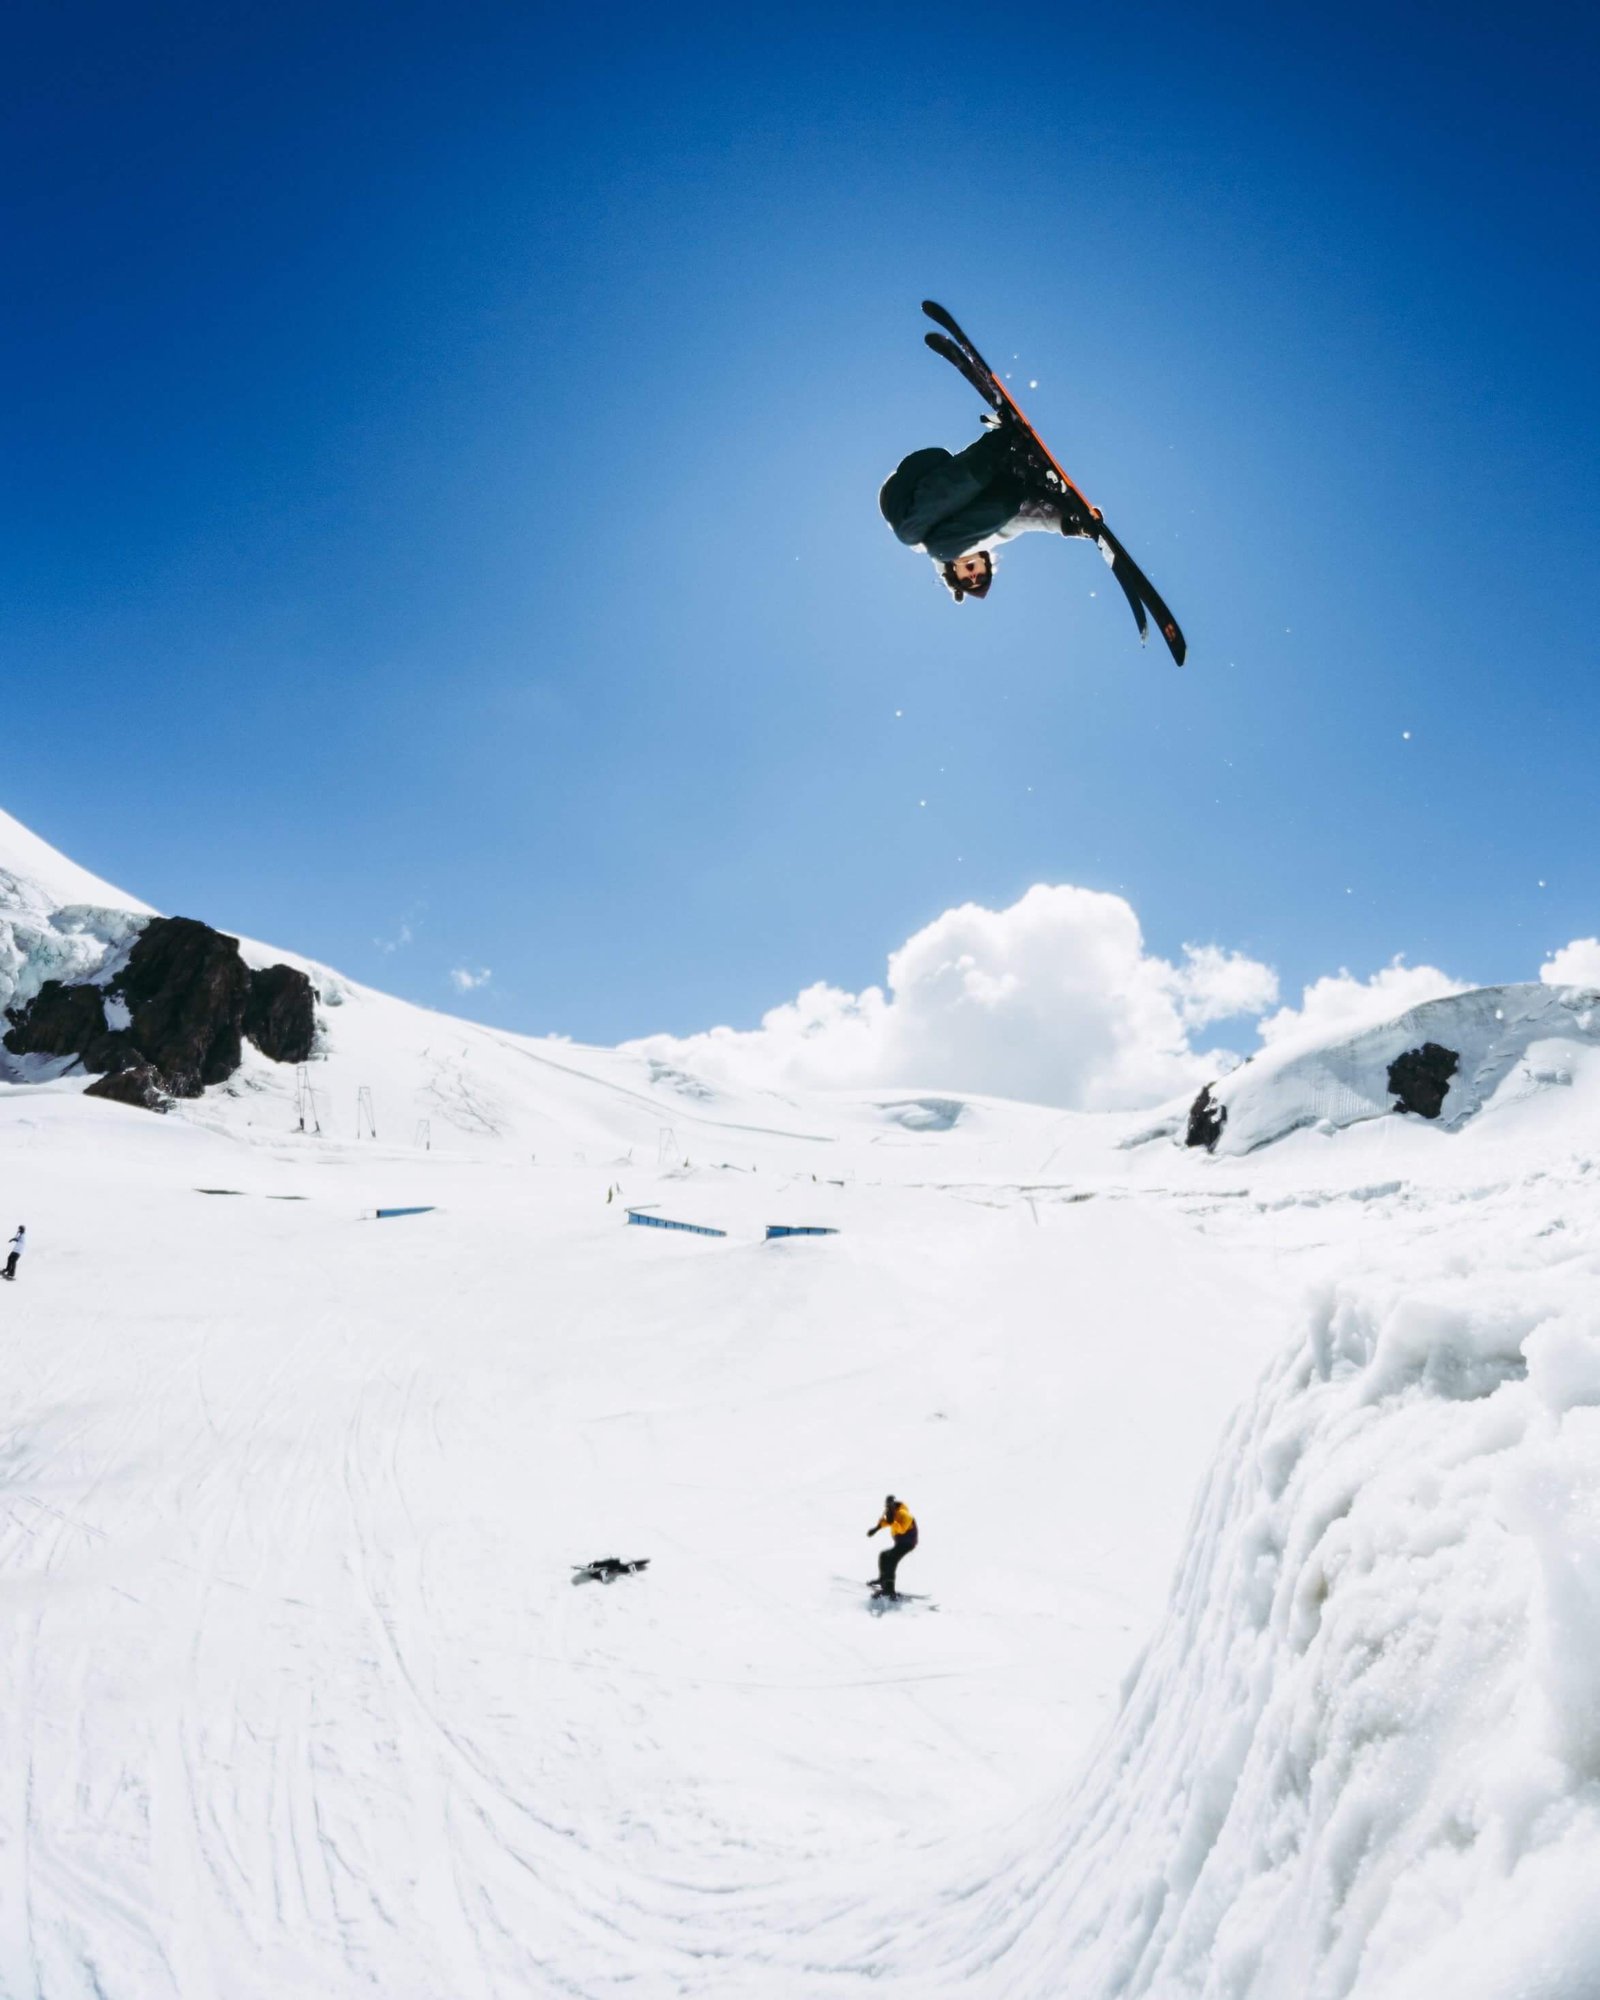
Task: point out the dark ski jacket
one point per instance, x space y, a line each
951 503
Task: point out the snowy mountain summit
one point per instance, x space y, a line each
1258 1488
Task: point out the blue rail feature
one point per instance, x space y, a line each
665 1222
796 1229
383 1214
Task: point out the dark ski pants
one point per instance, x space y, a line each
890 1559
11 1265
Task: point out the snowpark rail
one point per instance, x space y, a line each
636 1215
774 1230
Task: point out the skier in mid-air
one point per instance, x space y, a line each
957 507
901 1522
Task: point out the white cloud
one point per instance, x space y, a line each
402 937
1215 985
464 980
1340 1004
1575 964
1053 1000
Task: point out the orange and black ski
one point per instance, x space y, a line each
1080 516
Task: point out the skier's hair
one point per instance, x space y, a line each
958 589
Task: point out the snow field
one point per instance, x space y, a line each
301 1698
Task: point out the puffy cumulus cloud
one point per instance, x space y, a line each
1054 1000
1575 964
1339 1004
1214 985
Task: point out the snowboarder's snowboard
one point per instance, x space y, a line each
878 1601
606 1569
1082 517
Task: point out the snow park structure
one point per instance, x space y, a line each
1259 1487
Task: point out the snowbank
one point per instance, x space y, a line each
1361 1754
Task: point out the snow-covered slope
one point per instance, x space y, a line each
35 875
1483 1048
296 1696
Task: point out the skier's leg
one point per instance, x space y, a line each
902 1549
887 1558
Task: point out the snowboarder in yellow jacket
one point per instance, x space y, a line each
901 1523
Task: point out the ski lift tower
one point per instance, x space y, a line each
305 1101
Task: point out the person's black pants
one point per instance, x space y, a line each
11 1265
890 1559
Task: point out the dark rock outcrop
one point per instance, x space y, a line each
58 1021
1206 1120
1420 1078
139 1085
280 1014
190 1001
186 987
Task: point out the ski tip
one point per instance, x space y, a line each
932 308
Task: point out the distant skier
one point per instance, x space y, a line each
958 507
901 1523
18 1245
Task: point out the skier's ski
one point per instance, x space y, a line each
955 346
996 394
960 360
606 1569
1135 582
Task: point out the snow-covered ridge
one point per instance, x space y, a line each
1492 1044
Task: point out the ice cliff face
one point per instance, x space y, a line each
75 944
1446 1061
153 1006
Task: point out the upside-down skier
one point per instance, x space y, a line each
957 507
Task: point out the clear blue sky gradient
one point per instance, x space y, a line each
443 446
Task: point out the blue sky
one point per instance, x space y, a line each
443 446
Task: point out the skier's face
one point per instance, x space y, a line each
971 569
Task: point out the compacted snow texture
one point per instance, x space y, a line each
298 1697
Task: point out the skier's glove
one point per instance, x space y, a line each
870 1533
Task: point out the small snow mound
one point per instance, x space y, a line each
925 1114
668 1076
